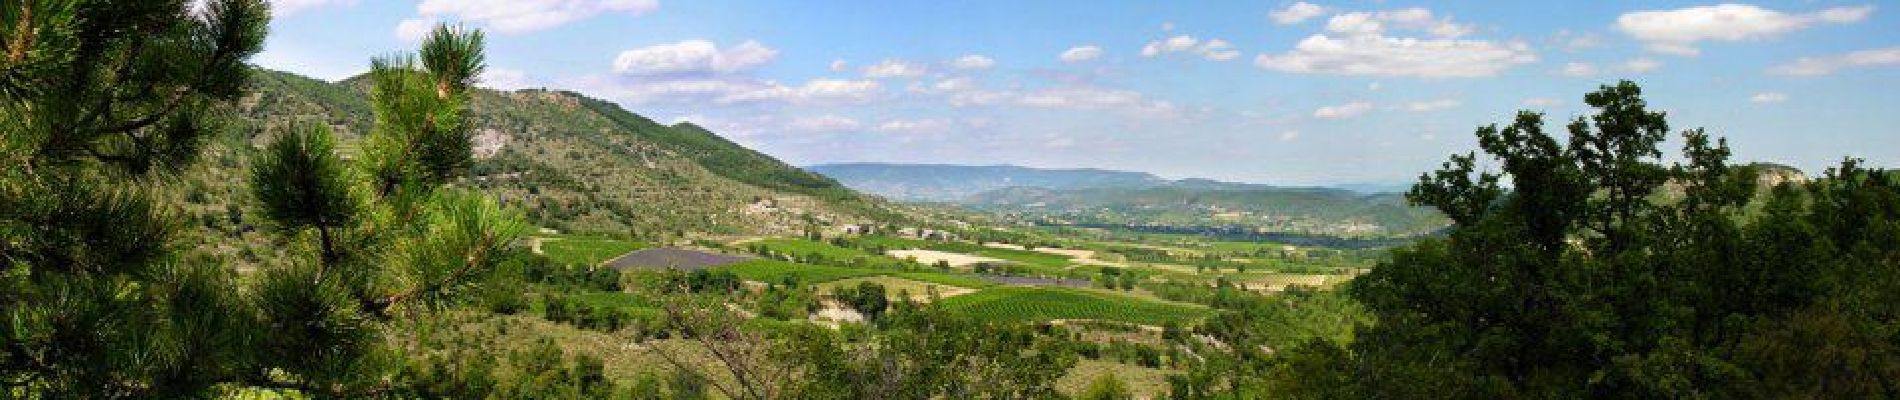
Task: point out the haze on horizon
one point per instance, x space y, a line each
1282 92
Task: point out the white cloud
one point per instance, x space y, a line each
1574 42
1081 53
1640 65
1389 56
1677 31
914 126
1288 136
733 90
285 8
824 123
1296 13
1092 98
973 61
1376 23
814 91
893 68
1812 66
506 79
414 29
692 56
838 65
1578 70
1543 102
1769 97
1212 50
519 16
1432 105
1347 110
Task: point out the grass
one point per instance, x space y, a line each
1144 382
803 247
576 250
1035 304
775 271
959 280
625 301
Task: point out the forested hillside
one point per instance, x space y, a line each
573 163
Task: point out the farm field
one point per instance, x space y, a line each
582 250
1032 304
779 271
932 257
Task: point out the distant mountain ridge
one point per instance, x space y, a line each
1098 197
951 183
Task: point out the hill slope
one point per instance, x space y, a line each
573 163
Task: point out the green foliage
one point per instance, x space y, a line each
1107 387
1034 304
1576 282
779 271
302 185
867 298
922 353
103 103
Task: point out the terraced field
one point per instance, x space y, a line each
1035 304
894 286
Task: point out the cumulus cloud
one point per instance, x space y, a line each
519 16
692 56
1677 31
1414 19
1080 53
824 123
1213 50
414 29
838 65
973 61
1812 66
285 8
1390 56
1769 97
1296 13
1432 105
1361 43
814 91
1342 111
893 68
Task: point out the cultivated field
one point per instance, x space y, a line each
1035 304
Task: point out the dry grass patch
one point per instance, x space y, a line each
931 257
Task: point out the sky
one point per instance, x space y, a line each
1277 92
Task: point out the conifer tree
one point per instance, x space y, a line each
103 101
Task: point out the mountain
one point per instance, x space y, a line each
948 183
573 163
1185 207
1121 198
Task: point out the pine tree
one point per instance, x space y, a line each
103 101
394 234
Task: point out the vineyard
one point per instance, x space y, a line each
1019 303
577 250
774 271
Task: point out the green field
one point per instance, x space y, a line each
1021 303
801 247
579 250
774 271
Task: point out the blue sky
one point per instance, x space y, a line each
1282 92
